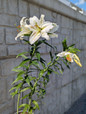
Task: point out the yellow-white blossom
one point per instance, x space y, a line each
41 28
70 57
37 28
24 28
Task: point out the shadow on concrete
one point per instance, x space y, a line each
79 107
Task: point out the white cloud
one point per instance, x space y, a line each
80 2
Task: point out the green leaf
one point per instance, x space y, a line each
49 63
48 44
25 89
40 42
26 96
41 73
22 55
14 93
49 71
31 111
32 78
35 63
23 105
36 105
16 86
12 88
42 61
71 45
51 56
55 72
73 50
47 77
23 62
64 43
66 64
60 70
29 83
21 73
17 79
17 70
38 56
25 109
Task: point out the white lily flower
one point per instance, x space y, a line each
41 28
24 28
70 57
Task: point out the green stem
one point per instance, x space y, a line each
18 103
30 99
29 105
50 64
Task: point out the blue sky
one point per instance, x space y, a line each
80 3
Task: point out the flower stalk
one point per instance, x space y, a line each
33 84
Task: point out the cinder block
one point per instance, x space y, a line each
65 22
74 92
65 101
76 71
43 48
64 31
11 33
76 37
83 42
78 25
9 20
47 13
46 103
71 23
3 6
4 19
2 90
7 65
23 8
3 51
16 49
7 107
13 7
9 81
13 20
84 81
52 106
55 41
67 76
58 101
1 35
80 86
34 10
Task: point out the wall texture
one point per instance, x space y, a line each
62 90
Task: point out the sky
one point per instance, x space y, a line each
80 3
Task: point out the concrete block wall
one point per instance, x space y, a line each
62 90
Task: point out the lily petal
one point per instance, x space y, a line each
21 34
34 20
23 21
46 36
62 54
47 28
53 35
77 60
45 24
42 19
55 28
34 37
